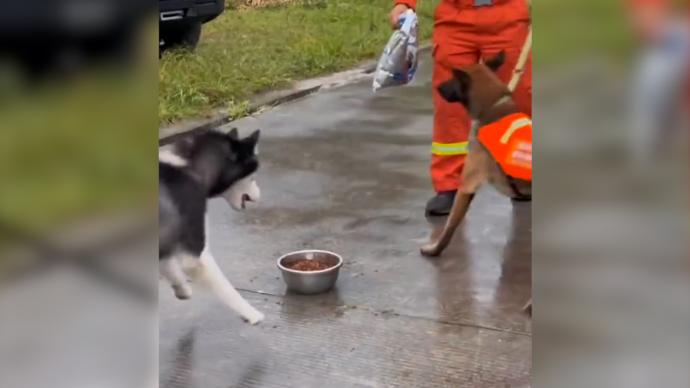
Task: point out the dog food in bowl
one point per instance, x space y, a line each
308 265
310 271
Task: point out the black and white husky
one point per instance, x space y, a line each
207 165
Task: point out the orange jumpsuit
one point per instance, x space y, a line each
464 33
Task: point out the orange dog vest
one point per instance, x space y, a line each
509 141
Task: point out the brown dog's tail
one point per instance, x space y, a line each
457 214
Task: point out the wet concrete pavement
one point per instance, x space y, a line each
347 171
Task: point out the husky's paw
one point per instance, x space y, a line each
253 318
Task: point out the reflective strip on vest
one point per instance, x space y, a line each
449 149
517 124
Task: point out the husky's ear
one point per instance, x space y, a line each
456 89
253 139
496 62
250 142
233 134
185 145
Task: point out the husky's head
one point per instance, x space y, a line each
225 163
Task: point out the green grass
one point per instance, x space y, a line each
568 31
76 148
247 51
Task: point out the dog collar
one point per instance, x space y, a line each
505 98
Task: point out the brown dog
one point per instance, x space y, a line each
487 100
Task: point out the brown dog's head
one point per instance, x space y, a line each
476 87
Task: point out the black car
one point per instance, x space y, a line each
180 20
43 38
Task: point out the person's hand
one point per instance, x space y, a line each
396 12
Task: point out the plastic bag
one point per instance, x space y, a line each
398 63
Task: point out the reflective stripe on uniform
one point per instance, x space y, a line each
448 149
514 126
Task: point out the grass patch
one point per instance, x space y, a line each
246 51
570 30
76 148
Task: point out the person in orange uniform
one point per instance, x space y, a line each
660 83
466 32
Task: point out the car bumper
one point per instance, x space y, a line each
171 11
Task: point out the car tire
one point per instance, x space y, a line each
184 36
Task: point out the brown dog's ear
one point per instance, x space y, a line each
463 77
456 89
496 62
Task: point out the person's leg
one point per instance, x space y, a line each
511 41
449 146
454 47
505 28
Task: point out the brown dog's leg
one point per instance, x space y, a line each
457 214
528 307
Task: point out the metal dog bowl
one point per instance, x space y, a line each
310 282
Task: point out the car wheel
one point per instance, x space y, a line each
184 36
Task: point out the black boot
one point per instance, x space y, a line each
522 198
440 204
